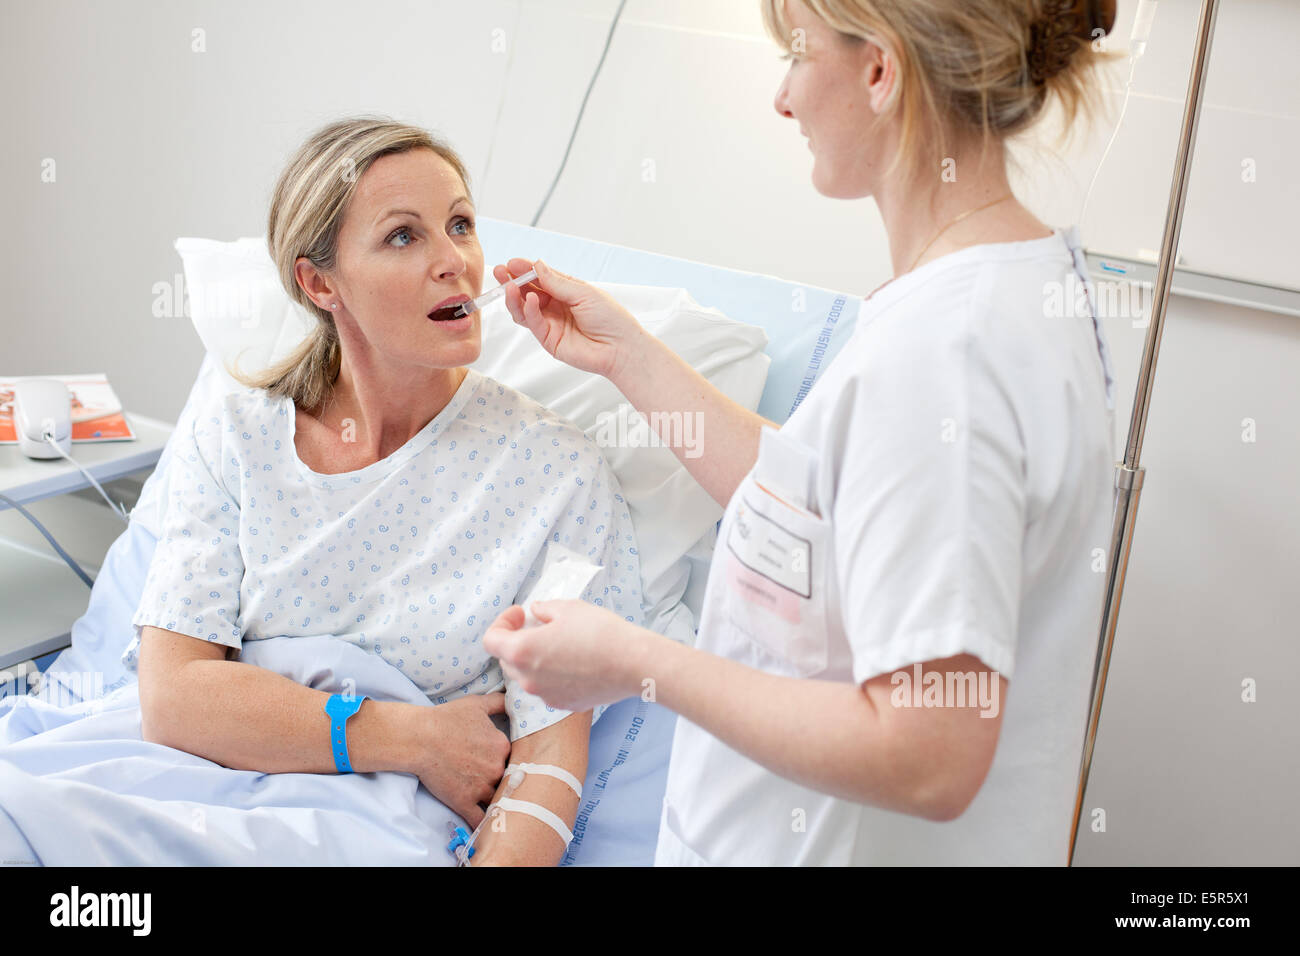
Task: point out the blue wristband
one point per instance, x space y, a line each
339 708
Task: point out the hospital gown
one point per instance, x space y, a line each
410 558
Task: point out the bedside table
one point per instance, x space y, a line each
40 596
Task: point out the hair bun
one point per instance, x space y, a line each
1058 31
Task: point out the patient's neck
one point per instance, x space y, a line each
377 408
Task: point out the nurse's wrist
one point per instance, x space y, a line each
642 660
630 357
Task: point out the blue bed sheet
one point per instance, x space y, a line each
628 756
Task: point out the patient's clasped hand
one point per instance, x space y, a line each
565 576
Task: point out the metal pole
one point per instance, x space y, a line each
1129 472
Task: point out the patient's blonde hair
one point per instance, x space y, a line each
307 211
985 66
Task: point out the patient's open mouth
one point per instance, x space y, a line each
445 314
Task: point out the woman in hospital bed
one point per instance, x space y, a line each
374 488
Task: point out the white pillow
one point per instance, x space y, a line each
238 306
242 314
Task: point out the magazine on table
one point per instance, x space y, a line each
97 413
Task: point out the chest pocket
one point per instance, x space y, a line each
776 561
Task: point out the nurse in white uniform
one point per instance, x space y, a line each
896 649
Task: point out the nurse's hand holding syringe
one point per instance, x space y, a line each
577 323
587 328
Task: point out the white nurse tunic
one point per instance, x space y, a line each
964 447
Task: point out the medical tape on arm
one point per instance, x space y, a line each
550 770
536 810
514 777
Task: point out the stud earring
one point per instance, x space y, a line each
334 305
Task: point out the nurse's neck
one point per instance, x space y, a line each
919 215
381 408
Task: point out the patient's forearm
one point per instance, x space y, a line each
718 443
249 718
516 839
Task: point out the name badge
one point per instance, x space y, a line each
780 561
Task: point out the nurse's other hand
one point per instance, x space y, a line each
574 321
578 657
461 755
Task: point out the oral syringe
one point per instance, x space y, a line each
487 298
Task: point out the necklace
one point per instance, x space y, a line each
934 238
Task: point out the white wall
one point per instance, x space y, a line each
152 140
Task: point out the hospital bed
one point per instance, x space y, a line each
803 328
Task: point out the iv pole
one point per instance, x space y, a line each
1129 473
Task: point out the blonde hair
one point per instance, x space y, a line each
965 66
307 210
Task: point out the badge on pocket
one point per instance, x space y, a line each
776 567
777 557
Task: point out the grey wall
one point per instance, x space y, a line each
152 139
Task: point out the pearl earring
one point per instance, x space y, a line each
334 305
